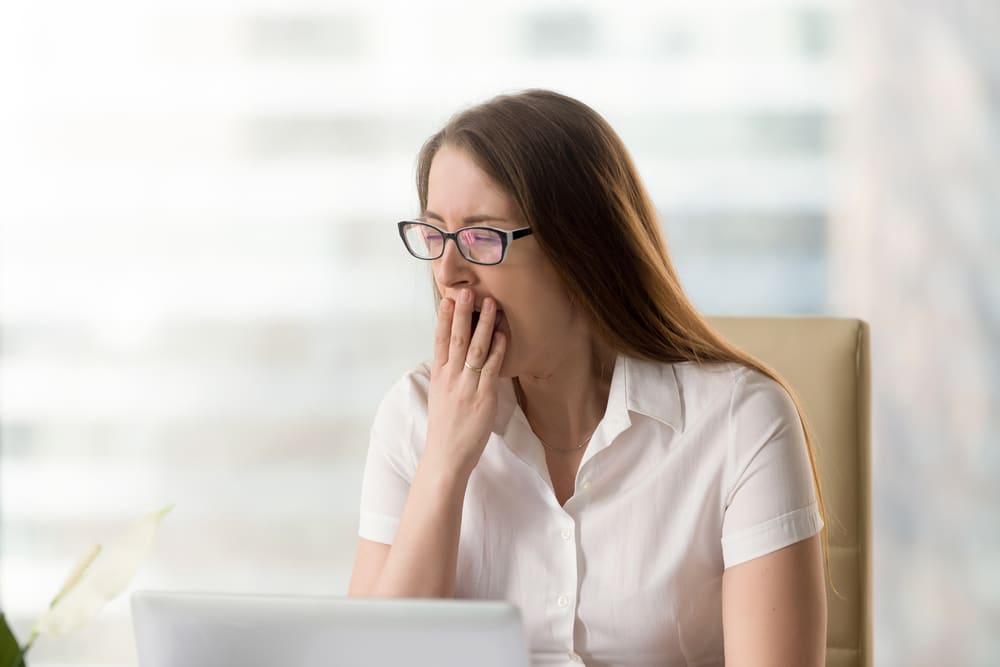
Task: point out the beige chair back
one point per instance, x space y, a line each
826 362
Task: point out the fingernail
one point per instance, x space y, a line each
466 296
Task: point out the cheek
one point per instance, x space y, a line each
537 308
541 319
532 331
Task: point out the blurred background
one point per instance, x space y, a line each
203 296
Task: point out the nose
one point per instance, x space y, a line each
451 270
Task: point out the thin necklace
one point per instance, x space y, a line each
519 395
571 449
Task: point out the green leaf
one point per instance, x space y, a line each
10 652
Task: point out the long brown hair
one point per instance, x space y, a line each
574 183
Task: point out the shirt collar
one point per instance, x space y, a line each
645 387
651 389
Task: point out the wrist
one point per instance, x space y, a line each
444 473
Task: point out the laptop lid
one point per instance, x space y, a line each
222 630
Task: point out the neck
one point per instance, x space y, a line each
565 402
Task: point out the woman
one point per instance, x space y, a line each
582 443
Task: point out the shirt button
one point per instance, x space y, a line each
574 657
563 601
586 485
567 533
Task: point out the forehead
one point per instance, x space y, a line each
457 188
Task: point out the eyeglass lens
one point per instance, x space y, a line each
475 244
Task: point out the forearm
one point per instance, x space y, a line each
424 555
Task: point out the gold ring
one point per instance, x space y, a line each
473 368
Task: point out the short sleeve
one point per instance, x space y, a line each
770 492
392 458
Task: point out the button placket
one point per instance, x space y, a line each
571 554
567 582
586 475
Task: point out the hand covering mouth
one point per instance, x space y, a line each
496 322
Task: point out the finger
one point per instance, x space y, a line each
491 369
442 331
461 324
479 346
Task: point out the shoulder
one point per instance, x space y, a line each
726 392
707 383
406 400
412 385
753 406
725 379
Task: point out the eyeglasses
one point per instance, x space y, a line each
480 245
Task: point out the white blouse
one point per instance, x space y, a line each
693 468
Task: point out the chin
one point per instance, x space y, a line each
507 369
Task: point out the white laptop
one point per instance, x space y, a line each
219 630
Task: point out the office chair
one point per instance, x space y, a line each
826 362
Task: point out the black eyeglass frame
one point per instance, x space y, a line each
506 238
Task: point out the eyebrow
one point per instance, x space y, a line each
469 220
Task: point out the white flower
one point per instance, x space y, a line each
101 575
